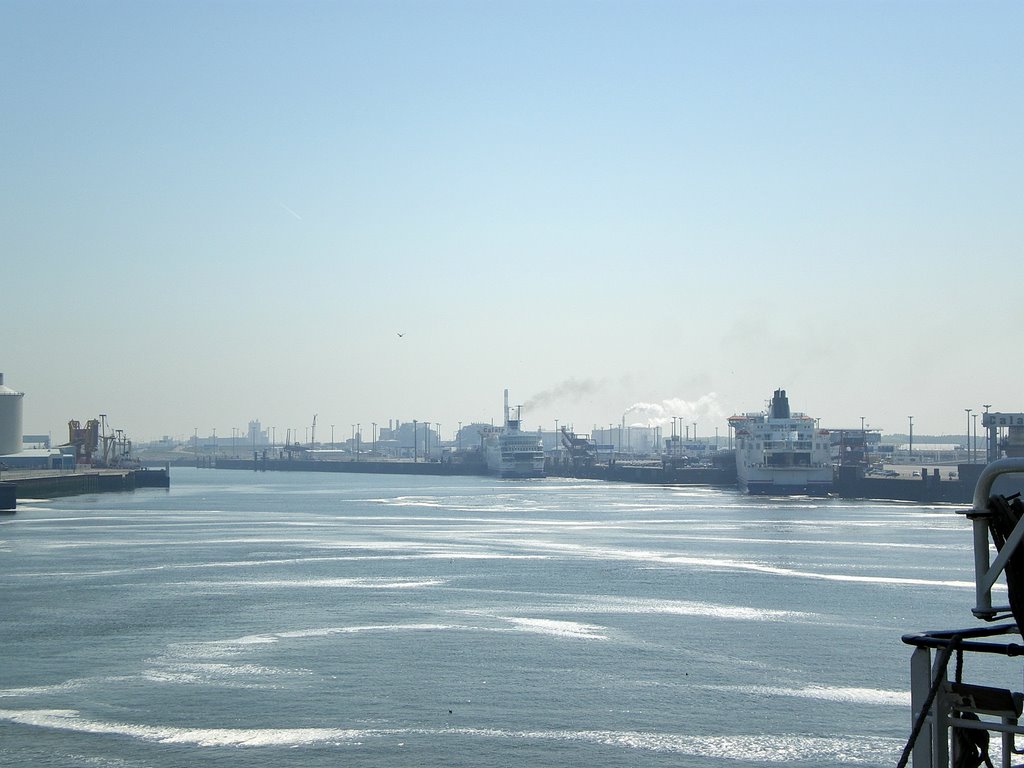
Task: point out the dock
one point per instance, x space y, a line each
45 484
630 472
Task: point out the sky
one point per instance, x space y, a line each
213 212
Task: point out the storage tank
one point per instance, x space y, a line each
10 419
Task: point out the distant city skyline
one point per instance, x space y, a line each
215 212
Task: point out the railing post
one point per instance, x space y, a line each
929 743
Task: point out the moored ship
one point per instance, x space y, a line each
782 453
512 453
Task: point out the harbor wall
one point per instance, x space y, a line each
47 485
368 467
630 473
929 488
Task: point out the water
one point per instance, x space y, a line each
245 619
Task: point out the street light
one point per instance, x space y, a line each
974 442
967 444
415 447
988 442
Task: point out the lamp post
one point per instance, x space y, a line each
911 451
967 444
414 446
974 440
988 441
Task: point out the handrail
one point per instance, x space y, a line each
983 488
986 573
944 638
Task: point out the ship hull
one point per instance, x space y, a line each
527 473
514 469
777 482
771 488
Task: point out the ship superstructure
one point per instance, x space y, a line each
780 452
510 452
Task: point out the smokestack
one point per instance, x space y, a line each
780 405
503 418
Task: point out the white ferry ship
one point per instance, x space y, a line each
512 453
781 453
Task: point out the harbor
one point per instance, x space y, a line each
778 451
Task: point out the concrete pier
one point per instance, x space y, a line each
45 484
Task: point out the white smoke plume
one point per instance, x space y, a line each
705 409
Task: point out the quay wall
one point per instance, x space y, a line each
45 485
630 473
367 467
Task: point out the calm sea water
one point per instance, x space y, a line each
245 619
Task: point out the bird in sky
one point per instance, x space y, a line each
400 335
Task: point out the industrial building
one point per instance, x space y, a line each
13 454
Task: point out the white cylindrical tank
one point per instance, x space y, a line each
10 419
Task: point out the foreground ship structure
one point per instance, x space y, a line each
512 453
780 452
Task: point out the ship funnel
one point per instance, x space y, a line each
780 405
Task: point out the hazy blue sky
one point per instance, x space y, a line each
219 211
